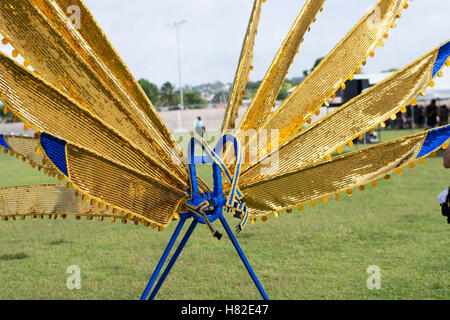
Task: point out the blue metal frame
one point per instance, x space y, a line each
215 203
243 258
163 258
173 259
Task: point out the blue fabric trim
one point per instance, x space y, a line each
3 142
435 138
442 56
55 149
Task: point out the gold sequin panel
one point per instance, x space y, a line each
93 46
334 70
48 110
243 70
350 120
25 147
264 99
331 176
48 199
122 188
58 62
104 50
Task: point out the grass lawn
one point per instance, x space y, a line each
319 253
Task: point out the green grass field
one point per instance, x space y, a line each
319 253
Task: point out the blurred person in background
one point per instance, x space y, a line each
443 115
409 117
431 114
419 119
199 128
444 197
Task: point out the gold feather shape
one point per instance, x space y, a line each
48 110
119 187
333 71
90 41
264 99
25 147
57 61
349 121
243 69
329 177
45 200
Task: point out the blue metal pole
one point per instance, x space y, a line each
243 258
173 259
163 258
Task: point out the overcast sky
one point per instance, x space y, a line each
212 37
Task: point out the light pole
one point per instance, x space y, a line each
176 26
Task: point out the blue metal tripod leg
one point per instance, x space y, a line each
173 259
163 258
243 258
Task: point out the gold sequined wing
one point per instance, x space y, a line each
332 73
99 161
264 99
24 148
354 118
109 183
114 191
47 200
40 32
92 43
49 110
243 70
97 40
328 178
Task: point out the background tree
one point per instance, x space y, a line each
168 95
221 97
251 88
316 63
283 94
390 70
150 89
193 98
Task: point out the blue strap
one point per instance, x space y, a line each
199 211
235 196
